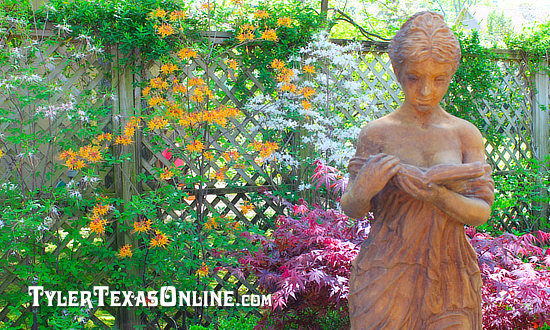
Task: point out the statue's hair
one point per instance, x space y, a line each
424 35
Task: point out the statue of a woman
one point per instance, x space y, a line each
422 172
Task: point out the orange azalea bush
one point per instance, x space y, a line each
173 233
163 226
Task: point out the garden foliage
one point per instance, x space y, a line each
306 266
62 227
61 220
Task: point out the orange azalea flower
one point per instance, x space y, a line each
186 53
211 223
160 239
104 137
179 88
203 271
247 207
209 156
123 139
309 69
80 164
129 130
277 64
177 15
136 120
306 104
231 63
155 100
164 30
307 92
100 209
261 14
207 7
197 96
196 81
200 93
158 83
168 68
71 163
1 153
270 35
157 123
94 155
289 88
245 36
67 154
265 149
235 225
97 225
166 174
196 145
285 75
158 13
142 226
84 151
125 251
220 175
174 111
231 154
248 27
146 91
284 21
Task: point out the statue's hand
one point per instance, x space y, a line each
374 175
419 188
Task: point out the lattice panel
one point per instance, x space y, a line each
82 78
77 78
226 199
238 135
376 73
513 121
63 246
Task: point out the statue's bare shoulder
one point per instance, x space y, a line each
470 138
373 136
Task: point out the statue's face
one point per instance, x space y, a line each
425 83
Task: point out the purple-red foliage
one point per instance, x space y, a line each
516 279
306 265
328 177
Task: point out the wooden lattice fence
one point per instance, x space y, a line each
76 78
523 125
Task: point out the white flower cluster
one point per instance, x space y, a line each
326 121
63 28
52 111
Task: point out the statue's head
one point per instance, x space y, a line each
424 35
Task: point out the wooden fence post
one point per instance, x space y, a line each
36 4
125 106
541 128
324 8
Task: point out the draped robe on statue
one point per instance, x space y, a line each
416 270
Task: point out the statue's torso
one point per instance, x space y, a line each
420 146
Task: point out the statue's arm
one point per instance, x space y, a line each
370 171
469 209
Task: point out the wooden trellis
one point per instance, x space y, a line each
519 123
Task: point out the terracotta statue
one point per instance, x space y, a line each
422 172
